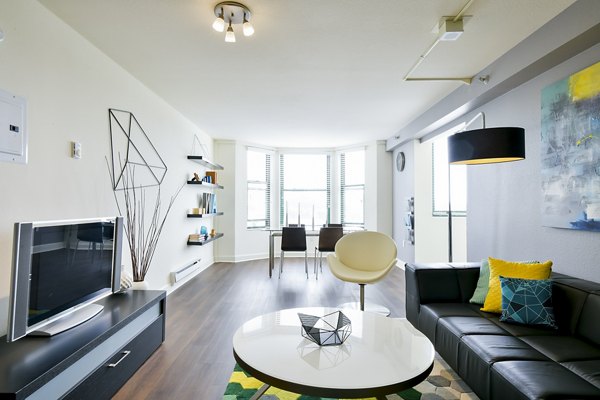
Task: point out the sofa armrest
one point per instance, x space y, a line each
438 283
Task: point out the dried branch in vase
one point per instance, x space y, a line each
141 229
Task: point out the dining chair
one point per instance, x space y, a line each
363 257
328 237
293 239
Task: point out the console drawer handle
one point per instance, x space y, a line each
125 354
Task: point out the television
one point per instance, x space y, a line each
59 269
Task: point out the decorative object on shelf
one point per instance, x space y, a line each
228 13
196 178
329 330
140 285
194 237
126 280
570 148
203 230
130 146
409 221
213 233
482 146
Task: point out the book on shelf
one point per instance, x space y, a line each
208 203
212 175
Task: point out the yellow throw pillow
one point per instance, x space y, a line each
508 269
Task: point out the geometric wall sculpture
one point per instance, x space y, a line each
132 152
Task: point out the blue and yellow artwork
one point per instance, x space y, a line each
570 151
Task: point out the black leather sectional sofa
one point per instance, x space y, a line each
508 361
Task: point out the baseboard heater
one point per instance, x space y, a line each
184 271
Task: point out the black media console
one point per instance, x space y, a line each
90 361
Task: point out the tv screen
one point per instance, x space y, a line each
59 267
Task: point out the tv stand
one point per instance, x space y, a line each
92 360
69 321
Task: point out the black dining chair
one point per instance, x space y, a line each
328 237
293 239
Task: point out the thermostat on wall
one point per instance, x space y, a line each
13 134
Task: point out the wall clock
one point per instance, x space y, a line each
400 161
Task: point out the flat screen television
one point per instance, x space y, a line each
59 269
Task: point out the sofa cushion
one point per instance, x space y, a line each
588 370
461 326
563 348
520 379
450 330
477 353
493 300
589 326
431 313
527 301
524 330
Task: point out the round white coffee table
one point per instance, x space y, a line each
381 356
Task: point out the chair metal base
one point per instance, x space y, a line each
369 307
282 255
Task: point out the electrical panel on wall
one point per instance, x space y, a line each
13 132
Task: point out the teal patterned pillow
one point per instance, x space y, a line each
483 284
527 301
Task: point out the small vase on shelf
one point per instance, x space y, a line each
140 285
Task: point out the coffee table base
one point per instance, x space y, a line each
378 393
369 307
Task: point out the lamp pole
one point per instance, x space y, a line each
449 218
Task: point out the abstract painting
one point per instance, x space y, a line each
570 151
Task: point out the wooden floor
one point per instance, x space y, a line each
196 359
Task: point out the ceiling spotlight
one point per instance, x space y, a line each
248 28
219 24
230 36
232 13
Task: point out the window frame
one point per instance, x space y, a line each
344 187
281 181
447 175
268 187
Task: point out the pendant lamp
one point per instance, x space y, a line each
487 146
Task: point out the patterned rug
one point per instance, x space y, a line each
442 383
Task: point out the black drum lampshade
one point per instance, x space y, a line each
487 146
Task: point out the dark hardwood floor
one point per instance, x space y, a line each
196 359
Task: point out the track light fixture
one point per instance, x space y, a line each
232 13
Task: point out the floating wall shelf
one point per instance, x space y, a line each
204 162
208 185
204 215
210 239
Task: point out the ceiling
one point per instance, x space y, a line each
316 73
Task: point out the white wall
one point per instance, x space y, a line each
378 188
505 200
69 86
239 244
